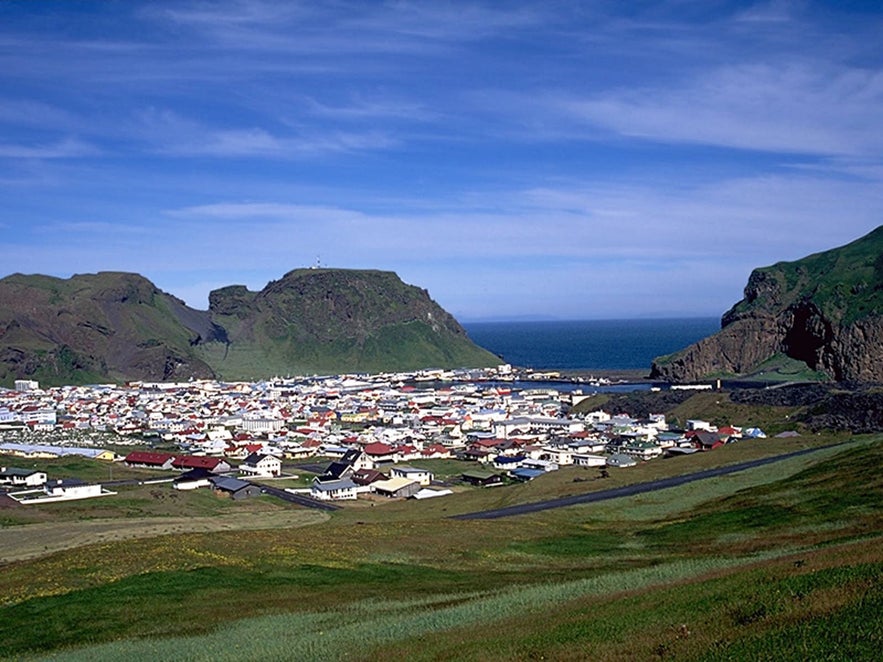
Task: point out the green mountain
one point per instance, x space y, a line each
333 320
821 315
115 326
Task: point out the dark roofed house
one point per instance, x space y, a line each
236 488
367 476
190 480
482 478
258 464
22 477
707 441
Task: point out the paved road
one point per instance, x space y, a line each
630 490
299 499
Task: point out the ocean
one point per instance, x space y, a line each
590 344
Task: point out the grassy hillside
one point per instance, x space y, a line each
335 320
91 328
781 562
845 283
118 326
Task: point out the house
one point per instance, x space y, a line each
351 461
525 474
589 460
364 478
214 464
68 489
236 488
193 479
71 488
149 460
396 487
543 465
621 460
22 477
422 476
261 465
644 450
482 478
334 490
379 453
707 441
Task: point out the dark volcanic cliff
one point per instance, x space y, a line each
825 310
119 326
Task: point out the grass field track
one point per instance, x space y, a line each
35 540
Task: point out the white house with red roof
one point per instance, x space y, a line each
214 464
379 452
149 460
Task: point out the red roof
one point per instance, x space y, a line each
145 457
196 462
378 448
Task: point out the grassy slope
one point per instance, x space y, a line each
845 282
752 565
408 346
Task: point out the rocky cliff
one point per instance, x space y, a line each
824 311
115 326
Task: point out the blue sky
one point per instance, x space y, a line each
570 160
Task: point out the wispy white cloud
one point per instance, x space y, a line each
797 108
65 149
168 132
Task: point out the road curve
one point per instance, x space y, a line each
631 490
297 498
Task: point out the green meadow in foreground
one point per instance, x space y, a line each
783 562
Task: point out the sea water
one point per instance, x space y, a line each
589 344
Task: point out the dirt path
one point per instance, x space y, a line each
30 541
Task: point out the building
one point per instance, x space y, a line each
422 476
396 488
265 466
334 490
15 477
235 488
149 460
215 464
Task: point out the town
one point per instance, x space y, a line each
357 436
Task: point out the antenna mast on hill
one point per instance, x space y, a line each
318 264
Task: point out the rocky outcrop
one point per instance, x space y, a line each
825 311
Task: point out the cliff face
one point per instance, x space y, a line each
119 326
825 311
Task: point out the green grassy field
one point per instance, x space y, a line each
781 562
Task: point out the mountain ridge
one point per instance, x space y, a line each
118 326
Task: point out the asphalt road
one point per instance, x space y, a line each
630 490
299 499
